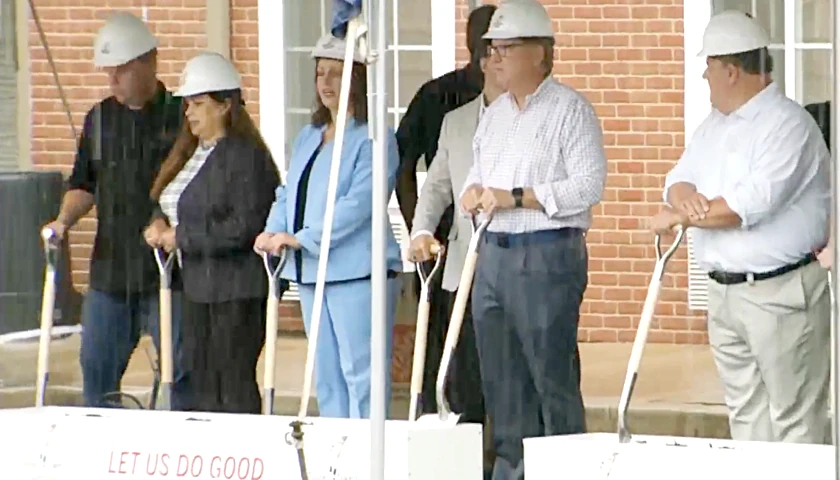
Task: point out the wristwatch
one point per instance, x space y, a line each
517 197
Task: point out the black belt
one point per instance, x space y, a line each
725 278
509 240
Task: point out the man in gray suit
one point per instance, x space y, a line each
445 177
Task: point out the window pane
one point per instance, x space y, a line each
294 124
415 22
415 70
300 80
778 67
769 13
302 23
815 79
813 21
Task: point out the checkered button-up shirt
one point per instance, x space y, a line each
170 195
554 145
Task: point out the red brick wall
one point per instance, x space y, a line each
627 58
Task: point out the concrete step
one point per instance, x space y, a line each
677 392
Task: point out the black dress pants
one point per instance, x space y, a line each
221 345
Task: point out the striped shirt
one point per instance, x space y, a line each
554 145
172 193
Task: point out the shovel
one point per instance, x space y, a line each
445 414
642 332
164 263
51 244
272 313
422 330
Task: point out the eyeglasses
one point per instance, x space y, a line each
502 50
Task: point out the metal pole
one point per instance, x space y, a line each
379 290
835 136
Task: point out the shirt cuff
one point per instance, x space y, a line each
421 232
544 193
304 237
734 204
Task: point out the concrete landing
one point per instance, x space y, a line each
677 393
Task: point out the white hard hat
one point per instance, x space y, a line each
332 47
208 72
732 32
519 19
123 38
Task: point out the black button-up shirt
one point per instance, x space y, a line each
419 129
119 154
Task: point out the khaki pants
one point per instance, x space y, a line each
771 345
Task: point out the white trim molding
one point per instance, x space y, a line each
272 64
443 37
696 15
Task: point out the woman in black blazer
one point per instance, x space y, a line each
215 190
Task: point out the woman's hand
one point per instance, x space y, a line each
274 243
262 242
153 233
168 241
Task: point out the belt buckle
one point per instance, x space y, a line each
503 240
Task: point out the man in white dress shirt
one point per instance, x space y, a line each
539 167
754 184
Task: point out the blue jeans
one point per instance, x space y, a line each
111 328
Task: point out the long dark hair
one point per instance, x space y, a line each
358 98
238 123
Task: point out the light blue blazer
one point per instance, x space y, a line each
350 242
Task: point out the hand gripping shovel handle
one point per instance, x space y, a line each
642 332
457 320
51 243
271 325
421 331
164 262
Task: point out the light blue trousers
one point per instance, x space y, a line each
342 356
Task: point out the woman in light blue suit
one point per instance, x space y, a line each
342 361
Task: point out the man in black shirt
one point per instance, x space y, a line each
124 140
418 136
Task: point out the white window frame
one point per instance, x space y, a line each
272 73
696 15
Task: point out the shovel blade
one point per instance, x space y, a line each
436 419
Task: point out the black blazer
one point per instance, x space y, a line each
220 213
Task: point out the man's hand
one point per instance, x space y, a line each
493 199
154 232
167 240
696 206
471 200
665 221
422 248
59 228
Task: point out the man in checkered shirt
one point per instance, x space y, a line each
539 168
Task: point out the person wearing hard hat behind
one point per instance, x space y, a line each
124 139
754 185
296 222
539 167
215 190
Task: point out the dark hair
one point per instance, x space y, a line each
238 123
755 62
358 98
477 25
